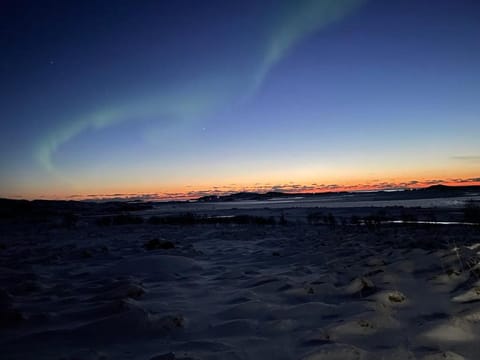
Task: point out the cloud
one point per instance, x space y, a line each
117 197
434 181
472 158
468 180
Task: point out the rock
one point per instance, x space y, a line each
10 317
167 356
360 286
122 290
86 355
396 297
5 299
375 261
337 352
155 244
469 296
448 355
26 287
86 254
170 356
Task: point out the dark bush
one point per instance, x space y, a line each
315 218
69 220
375 220
471 212
257 220
121 219
181 219
408 217
191 219
330 220
104 221
126 219
155 244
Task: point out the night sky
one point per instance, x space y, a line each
184 98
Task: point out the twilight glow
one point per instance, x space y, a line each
177 99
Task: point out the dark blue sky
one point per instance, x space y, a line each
179 96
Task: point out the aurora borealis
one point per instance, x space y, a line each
178 98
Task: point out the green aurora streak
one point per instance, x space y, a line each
296 20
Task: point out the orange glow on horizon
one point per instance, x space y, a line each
188 192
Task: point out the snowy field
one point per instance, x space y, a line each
277 283
346 201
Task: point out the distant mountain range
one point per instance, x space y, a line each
54 206
428 192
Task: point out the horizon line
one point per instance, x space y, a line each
292 189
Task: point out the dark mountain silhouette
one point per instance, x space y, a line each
428 192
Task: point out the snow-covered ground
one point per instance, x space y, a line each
332 202
239 291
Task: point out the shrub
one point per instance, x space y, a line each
315 218
283 220
330 220
121 219
355 220
126 219
69 220
191 219
181 219
155 244
408 216
471 212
